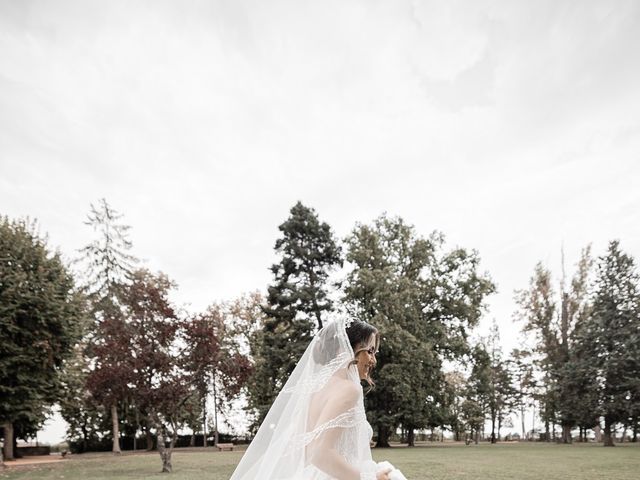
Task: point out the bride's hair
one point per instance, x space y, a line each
359 333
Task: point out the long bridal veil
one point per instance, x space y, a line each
291 440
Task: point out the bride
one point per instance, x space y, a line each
317 428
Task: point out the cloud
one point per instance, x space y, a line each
511 126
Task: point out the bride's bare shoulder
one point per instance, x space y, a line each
344 392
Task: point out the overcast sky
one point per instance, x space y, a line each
513 127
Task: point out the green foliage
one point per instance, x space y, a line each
502 394
424 302
296 301
308 252
106 260
522 373
41 318
612 335
86 418
555 319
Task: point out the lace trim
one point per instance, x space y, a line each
352 417
317 381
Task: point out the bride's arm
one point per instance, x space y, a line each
323 452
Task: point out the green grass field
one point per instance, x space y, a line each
432 461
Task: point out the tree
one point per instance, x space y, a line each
501 394
385 288
454 392
84 416
108 267
479 391
422 300
107 262
612 333
309 252
537 308
524 382
41 315
159 384
554 322
213 358
296 302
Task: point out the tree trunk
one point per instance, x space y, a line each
524 432
115 430
165 452
598 433
411 437
135 435
383 437
204 419
635 430
8 441
608 437
149 439
215 411
493 429
566 434
546 431
85 438
533 422
192 441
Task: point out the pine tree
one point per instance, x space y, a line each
108 269
296 302
613 334
480 391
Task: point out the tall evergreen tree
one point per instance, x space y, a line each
41 317
108 268
296 302
480 391
612 333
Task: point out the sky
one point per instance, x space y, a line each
513 127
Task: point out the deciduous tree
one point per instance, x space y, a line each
41 315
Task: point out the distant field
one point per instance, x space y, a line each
431 461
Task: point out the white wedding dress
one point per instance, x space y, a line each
316 428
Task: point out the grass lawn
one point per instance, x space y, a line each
431 461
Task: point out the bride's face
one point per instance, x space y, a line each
366 356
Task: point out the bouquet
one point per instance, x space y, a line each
394 474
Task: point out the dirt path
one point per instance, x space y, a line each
34 460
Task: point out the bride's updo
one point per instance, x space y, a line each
359 332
